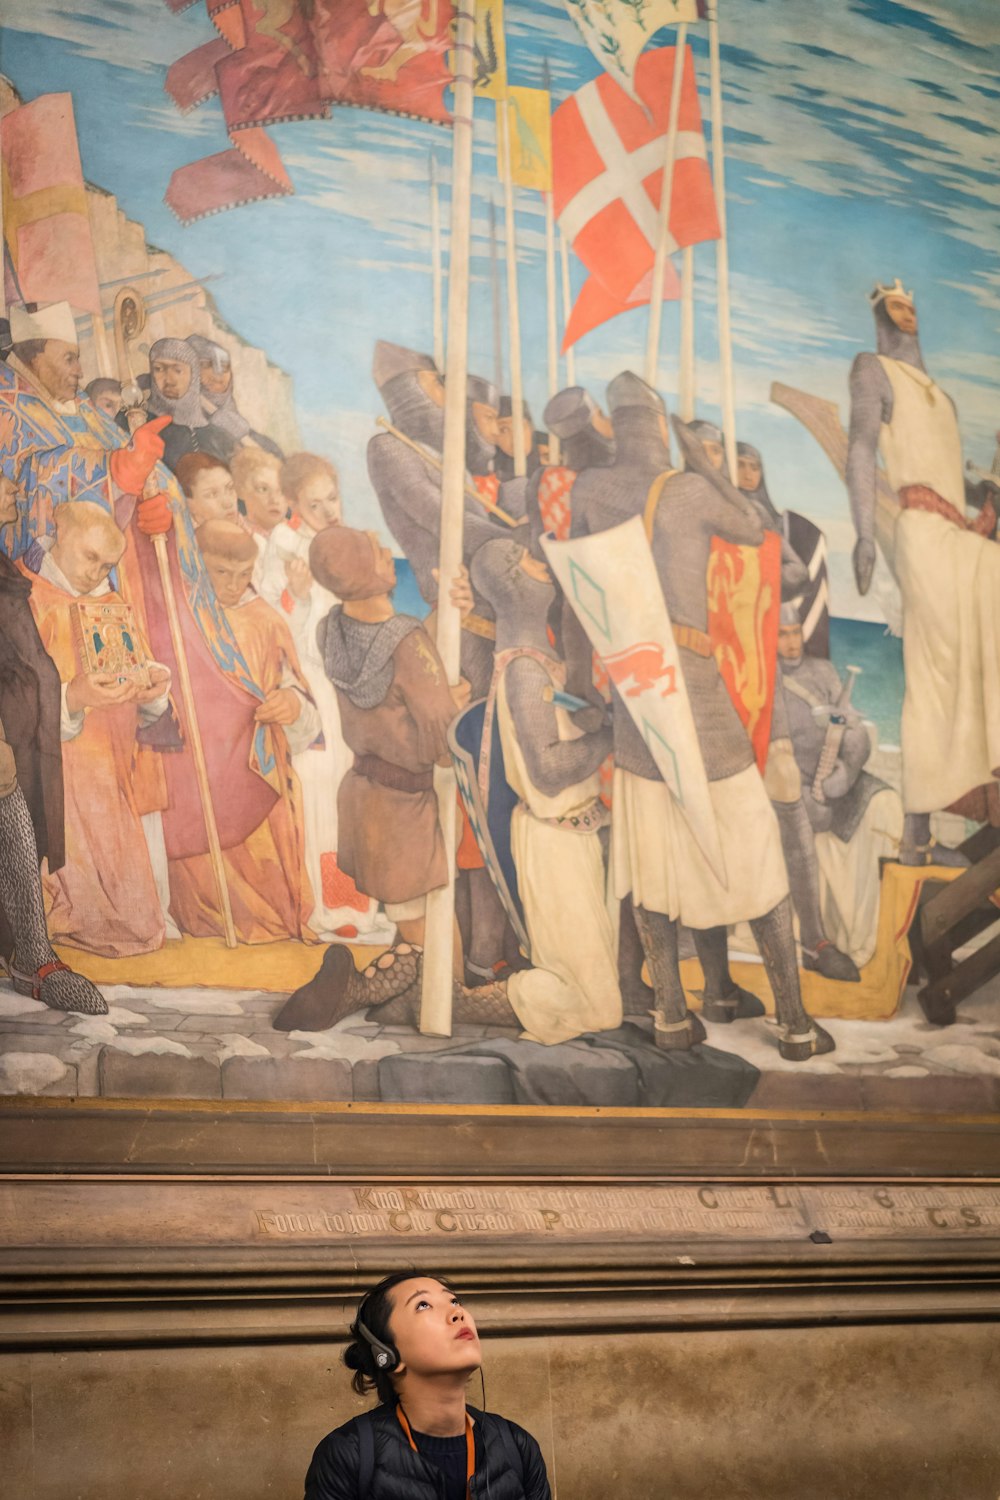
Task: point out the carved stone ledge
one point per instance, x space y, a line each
399 1141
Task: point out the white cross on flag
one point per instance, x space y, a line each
616 31
608 152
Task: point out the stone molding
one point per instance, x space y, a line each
399 1141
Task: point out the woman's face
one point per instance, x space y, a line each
431 1329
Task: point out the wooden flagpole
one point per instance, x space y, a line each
685 401
567 300
130 315
551 300
513 304
651 373
552 315
497 299
721 246
436 981
102 353
436 273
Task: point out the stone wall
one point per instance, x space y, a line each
178 1280
837 1408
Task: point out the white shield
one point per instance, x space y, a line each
610 579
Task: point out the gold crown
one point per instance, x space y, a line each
896 290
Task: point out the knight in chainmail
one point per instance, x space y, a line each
503 463
31 796
395 707
654 855
407 482
552 764
629 456
804 574
175 392
856 817
794 573
781 775
586 441
781 772
219 396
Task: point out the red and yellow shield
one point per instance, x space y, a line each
744 604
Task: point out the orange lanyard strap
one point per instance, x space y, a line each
470 1442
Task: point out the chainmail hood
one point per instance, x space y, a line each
187 410
636 410
412 410
570 415
521 604
707 432
639 440
894 343
479 455
759 496
225 413
358 655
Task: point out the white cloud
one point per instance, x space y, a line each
167 119
138 37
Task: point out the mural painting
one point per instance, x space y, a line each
498 556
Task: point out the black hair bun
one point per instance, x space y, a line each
354 1356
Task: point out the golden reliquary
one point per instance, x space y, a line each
108 641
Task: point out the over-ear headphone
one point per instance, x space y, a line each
386 1357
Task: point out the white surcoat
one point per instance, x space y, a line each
573 986
949 580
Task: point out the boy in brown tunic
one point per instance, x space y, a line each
395 708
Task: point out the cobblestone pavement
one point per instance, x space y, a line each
213 1043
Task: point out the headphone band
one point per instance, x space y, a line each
386 1357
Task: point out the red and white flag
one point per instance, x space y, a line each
608 153
596 305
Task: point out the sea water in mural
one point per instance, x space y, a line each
598 716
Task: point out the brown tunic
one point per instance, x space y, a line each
389 837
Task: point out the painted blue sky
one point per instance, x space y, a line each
859 147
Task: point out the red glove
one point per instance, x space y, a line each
130 467
153 516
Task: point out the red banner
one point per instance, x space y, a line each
271 75
278 60
744 605
46 224
389 55
263 67
249 173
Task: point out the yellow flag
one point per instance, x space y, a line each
529 132
490 78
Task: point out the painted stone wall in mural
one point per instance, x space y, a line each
605 712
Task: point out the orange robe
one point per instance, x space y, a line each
269 889
104 898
